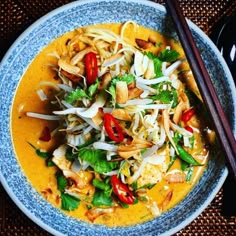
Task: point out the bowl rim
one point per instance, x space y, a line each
56 11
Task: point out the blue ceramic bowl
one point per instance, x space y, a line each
21 54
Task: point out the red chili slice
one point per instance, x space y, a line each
91 67
46 135
115 133
188 115
189 128
122 191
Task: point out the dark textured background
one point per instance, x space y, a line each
16 15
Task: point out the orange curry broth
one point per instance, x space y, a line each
25 129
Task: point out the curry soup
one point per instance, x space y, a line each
147 199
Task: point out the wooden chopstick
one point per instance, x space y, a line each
205 85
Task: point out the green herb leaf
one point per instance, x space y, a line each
134 185
126 78
112 91
61 181
97 159
93 88
167 97
70 156
101 199
157 63
50 163
75 95
69 203
168 55
40 153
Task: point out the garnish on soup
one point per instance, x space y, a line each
124 102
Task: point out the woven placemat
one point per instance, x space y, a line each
17 15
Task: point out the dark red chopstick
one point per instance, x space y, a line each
203 80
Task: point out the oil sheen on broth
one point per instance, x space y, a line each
27 130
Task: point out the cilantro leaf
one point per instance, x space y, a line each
101 199
61 181
93 88
112 91
69 203
97 159
126 78
167 97
75 95
157 63
168 55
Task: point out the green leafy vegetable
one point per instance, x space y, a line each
101 199
40 153
50 163
70 156
93 88
168 55
69 203
97 159
167 97
75 95
61 181
157 63
134 185
112 91
126 78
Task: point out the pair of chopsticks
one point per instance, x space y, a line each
203 80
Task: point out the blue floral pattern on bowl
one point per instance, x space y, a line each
15 63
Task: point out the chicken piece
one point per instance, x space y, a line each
175 176
59 158
94 213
